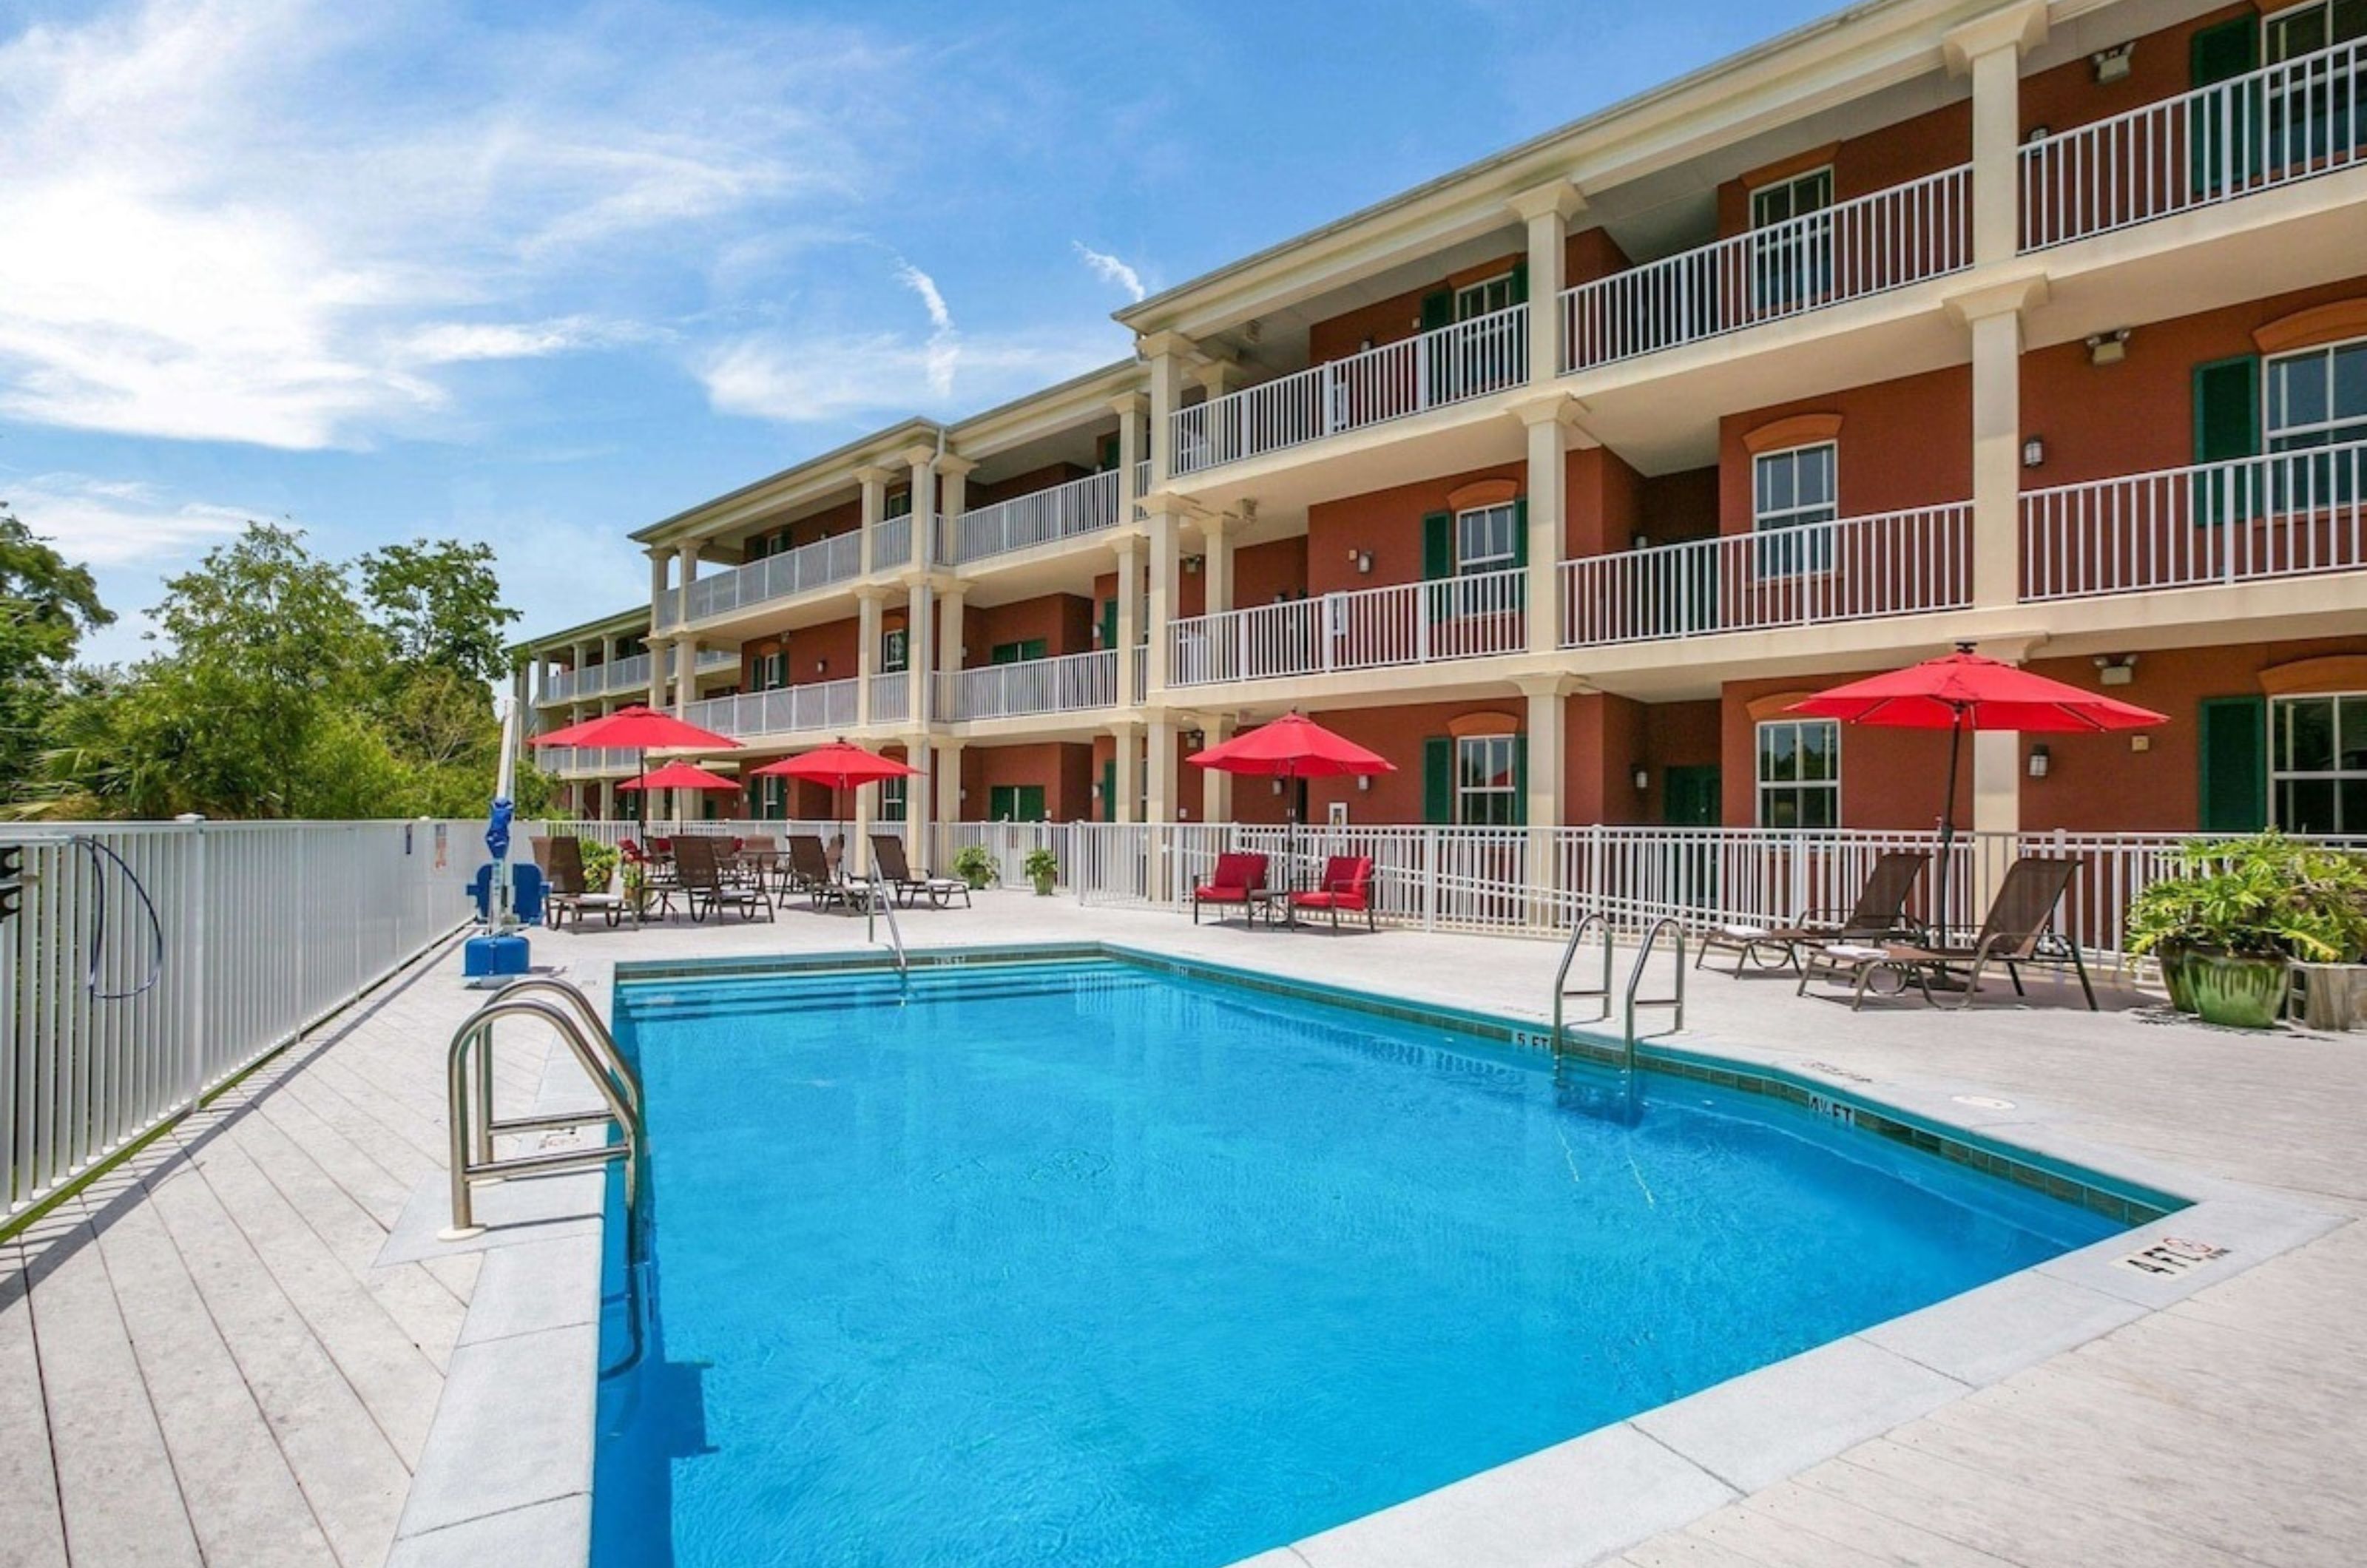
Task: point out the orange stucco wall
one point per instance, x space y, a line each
1263 573
1903 442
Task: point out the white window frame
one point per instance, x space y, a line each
1467 565
1760 784
2325 431
2270 22
1790 184
1471 300
2280 711
1466 792
894 798
1798 556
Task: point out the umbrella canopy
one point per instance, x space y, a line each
681 775
1963 691
1292 747
839 765
638 727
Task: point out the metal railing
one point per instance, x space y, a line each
891 543
1893 563
891 696
1404 623
1141 484
713 658
262 930
1038 686
788 710
573 762
1854 249
2284 122
2286 514
1081 506
800 570
1446 365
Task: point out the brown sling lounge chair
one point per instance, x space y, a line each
1879 915
811 873
888 858
705 887
2017 932
562 860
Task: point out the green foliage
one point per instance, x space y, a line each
46 605
974 863
2263 897
599 862
1040 864
441 604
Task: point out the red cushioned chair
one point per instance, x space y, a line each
1236 878
1347 884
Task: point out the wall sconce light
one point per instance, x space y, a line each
965 794
2033 452
1364 783
1097 792
2116 668
822 666
2036 133
2112 64
1191 565
2108 349
1643 778
2039 758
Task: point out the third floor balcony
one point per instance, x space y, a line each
1471 617
1069 683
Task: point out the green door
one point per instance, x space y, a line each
2235 764
1015 803
1018 652
1691 797
1109 790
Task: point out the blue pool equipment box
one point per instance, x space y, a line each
489 955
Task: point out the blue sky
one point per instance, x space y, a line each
543 272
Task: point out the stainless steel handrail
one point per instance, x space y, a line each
1675 999
878 903
1562 993
590 1017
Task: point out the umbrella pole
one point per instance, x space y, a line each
1948 824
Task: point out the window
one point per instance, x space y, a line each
1791 491
1487 780
894 651
892 797
1794 264
1800 774
898 506
1487 538
1022 652
2318 397
2317 763
1498 293
2305 30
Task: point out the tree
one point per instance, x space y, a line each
46 607
441 604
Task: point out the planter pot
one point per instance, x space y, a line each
2242 993
1044 885
2333 995
2175 975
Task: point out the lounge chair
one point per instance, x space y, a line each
562 862
1346 884
1879 915
887 857
2015 933
698 863
810 872
1238 874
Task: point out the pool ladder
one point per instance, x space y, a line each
469 1091
1596 925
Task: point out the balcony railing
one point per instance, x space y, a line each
1037 686
1080 506
1406 623
808 567
788 710
1896 563
892 543
628 674
1872 244
1141 484
577 761
2287 514
1141 673
713 658
891 697
2276 125
1447 365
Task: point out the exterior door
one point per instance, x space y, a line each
1690 797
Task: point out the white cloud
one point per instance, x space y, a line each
803 380
1109 269
942 356
454 343
131 536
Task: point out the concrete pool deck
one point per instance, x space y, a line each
229 1366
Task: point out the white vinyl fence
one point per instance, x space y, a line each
261 929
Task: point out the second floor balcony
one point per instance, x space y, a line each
587 761
1471 617
1065 684
628 674
1447 365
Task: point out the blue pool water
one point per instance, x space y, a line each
1088 1264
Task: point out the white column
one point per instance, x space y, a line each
1546 212
1215 785
1167 354
658 648
685 673
953 482
1549 419
1993 313
1131 410
1128 778
1546 734
1161 806
1991 48
948 781
687 555
658 559
920 617
923 461
874 481
1129 616
923 794
1164 517
1217 560
868 606
950 648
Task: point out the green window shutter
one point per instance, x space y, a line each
2216 53
1005 653
1438 780
1437 309
1109 623
1521 281
1035 648
1520 781
1031 803
2223 130
2226 425
1001 803
1438 545
2235 764
1520 531
1109 790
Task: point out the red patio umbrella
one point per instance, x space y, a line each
1963 691
1292 747
681 775
641 727
839 765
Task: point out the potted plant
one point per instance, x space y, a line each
1041 867
975 864
2237 913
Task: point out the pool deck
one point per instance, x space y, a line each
210 1358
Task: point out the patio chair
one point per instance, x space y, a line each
1879 915
2017 932
1346 884
1238 874
888 855
562 862
811 871
759 854
698 864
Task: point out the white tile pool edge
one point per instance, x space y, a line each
506 1471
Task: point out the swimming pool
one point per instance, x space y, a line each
1086 1262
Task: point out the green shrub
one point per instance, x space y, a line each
2263 897
975 864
